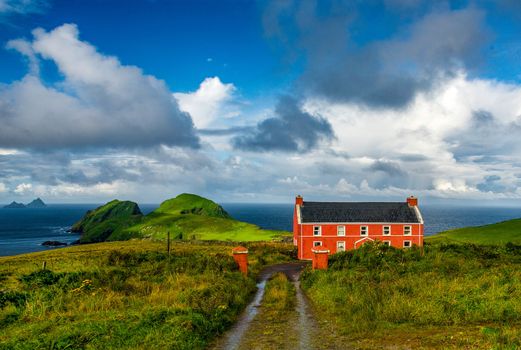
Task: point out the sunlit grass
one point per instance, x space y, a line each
377 288
126 295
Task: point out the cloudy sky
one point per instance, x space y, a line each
244 101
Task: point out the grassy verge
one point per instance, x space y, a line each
494 234
454 296
126 295
274 325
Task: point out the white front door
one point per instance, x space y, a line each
340 246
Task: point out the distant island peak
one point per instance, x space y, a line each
37 203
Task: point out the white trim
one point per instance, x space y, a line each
319 231
363 239
418 214
301 250
338 234
383 230
371 235
360 223
299 217
366 231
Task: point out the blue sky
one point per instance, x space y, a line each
180 41
258 101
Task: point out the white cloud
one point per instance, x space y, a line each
210 104
3 188
23 188
22 6
100 103
8 152
64 190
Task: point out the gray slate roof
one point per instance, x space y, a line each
358 212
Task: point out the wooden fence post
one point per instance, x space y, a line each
168 244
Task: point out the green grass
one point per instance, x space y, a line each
101 223
274 327
126 295
390 295
279 296
186 217
191 226
494 234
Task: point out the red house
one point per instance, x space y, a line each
340 226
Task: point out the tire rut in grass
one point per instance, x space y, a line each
259 327
279 317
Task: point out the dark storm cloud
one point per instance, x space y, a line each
290 130
223 132
413 158
485 137
388 167
385 73
491 184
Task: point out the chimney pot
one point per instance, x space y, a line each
299 200
412 201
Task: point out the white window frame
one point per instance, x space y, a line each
388 243
319 231
366 231
344 245
317 245
409 229
407 246
338 230
383 230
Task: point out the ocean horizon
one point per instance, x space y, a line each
24 230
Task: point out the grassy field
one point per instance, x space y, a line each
126 295
454 296
494 234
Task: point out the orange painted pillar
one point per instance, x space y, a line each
320 258
240 255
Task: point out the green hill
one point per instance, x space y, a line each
103 223
499 233
187 217
187 203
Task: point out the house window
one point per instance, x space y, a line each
317 244
387 243
341 230
387 230
340 246
406 244
407 230
363 230
317 231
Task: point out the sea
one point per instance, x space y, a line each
24 230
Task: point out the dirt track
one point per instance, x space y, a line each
298 329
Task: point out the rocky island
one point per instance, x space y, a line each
15 205
37 203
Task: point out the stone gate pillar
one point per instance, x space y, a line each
240 255
320 258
